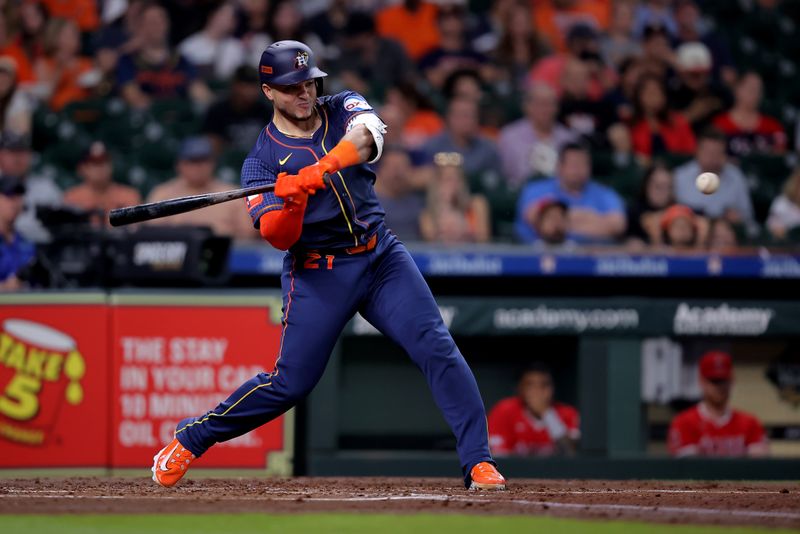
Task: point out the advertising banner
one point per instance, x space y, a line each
54 372
173 362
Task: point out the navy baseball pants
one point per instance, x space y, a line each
321 293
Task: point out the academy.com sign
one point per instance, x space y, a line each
721 320
570 319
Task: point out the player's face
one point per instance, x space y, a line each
295 102
716 392
536 390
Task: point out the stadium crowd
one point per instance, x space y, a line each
553 123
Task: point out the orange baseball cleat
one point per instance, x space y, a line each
171 463
485 476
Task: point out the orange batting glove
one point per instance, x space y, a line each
311 178
289 188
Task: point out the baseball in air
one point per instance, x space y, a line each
707 183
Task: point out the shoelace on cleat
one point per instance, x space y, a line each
182 457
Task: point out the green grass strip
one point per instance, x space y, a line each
337 524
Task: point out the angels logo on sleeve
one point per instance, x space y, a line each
356 103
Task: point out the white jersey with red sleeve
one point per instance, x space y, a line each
513 429
697 432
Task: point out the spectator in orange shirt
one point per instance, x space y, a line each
531 423
63 75
98 192
555 18
413 23
82 12
655 129
410 117
27 45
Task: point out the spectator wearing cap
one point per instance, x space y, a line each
235 120
748 130
196 177
98 192
154 70
732 199
682 229
712 428
481 162
555 18
694 93
369 64
655 129
452 214
596 212
15 106
550 219
530 146
15 251
16 159
691 28
583 46
214 51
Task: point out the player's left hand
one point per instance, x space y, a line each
311 178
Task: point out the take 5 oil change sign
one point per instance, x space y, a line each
172 362
54 370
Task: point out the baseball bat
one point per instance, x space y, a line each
174 206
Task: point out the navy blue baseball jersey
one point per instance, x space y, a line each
363 268
340 215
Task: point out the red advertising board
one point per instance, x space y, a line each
172 362
54 371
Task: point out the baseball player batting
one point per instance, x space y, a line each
341 260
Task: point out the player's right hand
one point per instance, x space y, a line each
289 188
312 177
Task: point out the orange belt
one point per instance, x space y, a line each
364 248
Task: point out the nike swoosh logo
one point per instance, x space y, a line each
163 465
284 160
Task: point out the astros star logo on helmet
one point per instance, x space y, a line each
301 61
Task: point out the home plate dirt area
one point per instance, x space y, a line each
720 503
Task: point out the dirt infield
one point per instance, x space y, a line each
765 504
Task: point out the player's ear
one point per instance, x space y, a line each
267 90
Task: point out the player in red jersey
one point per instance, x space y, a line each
530 423
712 428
